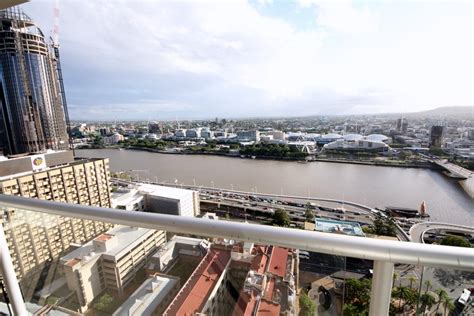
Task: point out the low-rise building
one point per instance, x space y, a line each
110 261
151 298
168 200
357 145
177 246
249 135
113 139
157 199
180 133
203 293
193 133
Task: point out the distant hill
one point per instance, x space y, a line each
458 111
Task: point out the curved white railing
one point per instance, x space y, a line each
385 253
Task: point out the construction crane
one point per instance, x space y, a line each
55 44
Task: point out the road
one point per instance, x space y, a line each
417 231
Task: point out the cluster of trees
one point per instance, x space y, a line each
106 304
146 143
383 226
272 150
457 241
281 218
307 306
404 298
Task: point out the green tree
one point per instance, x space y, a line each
428 285
412 280
406 294
309 214
448 305
384 226
442 297
350 310
307 306
281 218
457 241
427 301
358 295
105 303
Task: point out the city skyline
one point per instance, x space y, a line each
196 60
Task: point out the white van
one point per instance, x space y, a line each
465 296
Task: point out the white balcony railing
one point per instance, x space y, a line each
384 253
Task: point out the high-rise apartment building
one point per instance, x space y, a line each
34 238
436 136
33 113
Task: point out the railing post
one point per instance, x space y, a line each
381 288
9 276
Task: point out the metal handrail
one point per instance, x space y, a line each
341 245
385 253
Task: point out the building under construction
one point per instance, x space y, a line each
33 112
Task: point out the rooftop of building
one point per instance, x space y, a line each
163 191
278 261
178 242
124 238
194 294
148 296
19 166
335 226
125 196
268 308
262 286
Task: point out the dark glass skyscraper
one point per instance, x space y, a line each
33 113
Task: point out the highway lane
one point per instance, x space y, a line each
417 231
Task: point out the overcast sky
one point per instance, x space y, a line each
224 58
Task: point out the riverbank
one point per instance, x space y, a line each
377 187
374 162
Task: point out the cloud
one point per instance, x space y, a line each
343 16
228 58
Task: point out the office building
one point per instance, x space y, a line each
110 261
34 238
206 133
193 133
33 115
249 135
436 136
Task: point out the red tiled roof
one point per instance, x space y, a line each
268 308
72 262
268 294
278 261
104 237
194 294
259 263
245 304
